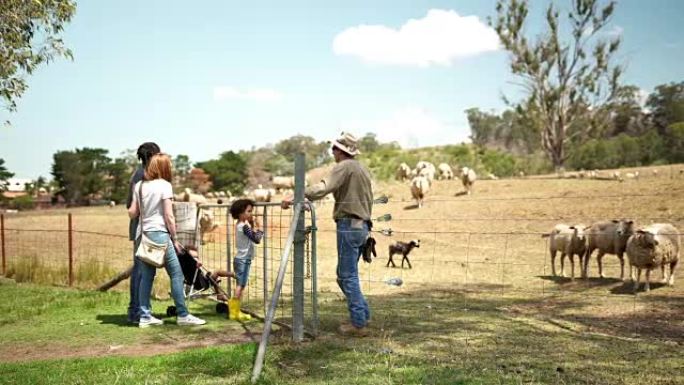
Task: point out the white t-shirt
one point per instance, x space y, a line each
153 194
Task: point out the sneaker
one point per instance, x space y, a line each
151 321
190 320
352 331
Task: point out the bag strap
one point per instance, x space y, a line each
140 217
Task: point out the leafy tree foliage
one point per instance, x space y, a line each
511 131
29 36
369 142
566 81
4 175
118 177
316 153
229 171
81 174
667 105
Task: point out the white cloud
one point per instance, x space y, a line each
440 38
257 94
411 127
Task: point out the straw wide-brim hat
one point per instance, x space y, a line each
347 143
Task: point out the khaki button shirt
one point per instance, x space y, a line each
350 183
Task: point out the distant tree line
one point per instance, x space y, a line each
632 134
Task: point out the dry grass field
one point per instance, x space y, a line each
480 295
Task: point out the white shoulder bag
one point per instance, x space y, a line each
148 251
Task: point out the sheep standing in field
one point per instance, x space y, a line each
616 175
188 196
468 178
282 182
419 188
445 172
427 170
491 176
404 249
261 194
609 237
655 172
632 175
403 172
569 240
655 245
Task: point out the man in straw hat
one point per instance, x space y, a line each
350 183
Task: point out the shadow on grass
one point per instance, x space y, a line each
461 193
115 319
411 207
627 288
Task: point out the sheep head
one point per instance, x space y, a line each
415 243
624 228
645 239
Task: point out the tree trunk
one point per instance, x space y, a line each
115 281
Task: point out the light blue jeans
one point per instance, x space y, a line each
351 235
148 272
134 303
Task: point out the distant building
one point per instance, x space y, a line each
17 184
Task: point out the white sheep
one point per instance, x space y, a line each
655 172
632 175
569 240
616 175
445 171
419 188
403 172
261 194
609 237
468 178
188 196
652 246
491 176
282 182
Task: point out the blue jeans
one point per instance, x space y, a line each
241 270
351 235
148 272
134 303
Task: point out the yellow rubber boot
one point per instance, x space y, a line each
234 312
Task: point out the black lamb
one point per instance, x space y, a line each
404 249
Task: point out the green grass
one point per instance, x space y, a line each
424 336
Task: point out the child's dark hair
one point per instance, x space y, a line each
239 206
146 150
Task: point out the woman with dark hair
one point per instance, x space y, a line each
145 152
159 224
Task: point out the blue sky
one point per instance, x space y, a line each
204 77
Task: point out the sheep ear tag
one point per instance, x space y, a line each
381 200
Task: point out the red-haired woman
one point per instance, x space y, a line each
159 224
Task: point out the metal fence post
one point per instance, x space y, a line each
2 240
71 252
298 268
229 264
265 267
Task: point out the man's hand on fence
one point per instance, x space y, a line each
287 202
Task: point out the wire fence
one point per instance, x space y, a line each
473 258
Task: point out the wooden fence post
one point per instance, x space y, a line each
2 241
71 252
